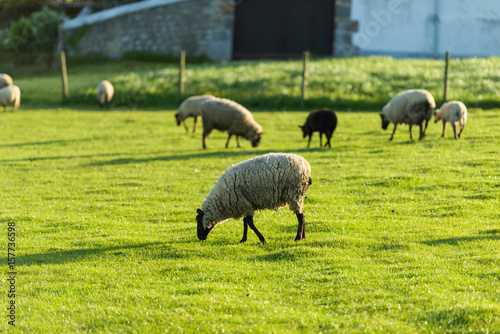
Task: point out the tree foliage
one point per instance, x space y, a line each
35 33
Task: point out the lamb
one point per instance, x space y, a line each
105 93
269 181
5 80
409 107
453 112
10 94
224 114
322 120
191 108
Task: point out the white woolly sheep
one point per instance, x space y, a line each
8 95
409 107
191 108
105 93
5 80
271 181
453 112
224 114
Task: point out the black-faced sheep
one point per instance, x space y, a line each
191 108
105 93
409 107
5 80
270 181
227 115
322 120
10 94
453 112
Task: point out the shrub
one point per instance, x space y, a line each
36 33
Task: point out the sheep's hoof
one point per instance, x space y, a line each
243 240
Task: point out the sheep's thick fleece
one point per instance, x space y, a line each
191 107
5 80
10 94
270 181
453 112
105 92
405 108
224 114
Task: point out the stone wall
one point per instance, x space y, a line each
168 28
344 28
200 27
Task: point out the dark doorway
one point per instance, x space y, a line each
282 28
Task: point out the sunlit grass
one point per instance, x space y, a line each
343 83
401 236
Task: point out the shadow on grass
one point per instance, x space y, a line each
49 142
486 235
68 157
74 255
201 155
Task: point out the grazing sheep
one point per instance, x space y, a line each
8 95
191 108
5 80
105 93
453 112
270 181
224 114
409 107
322 120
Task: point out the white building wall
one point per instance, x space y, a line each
427 28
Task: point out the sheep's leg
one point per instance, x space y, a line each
194 124
328 137
425 129
245 231
320 139
227 143
461 129
309 142
238 141
185 125
4 109
301 231
411 137
249 221
393 131
444 128
422 135
203 138
454 130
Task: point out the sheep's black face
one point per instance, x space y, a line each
177 119
202 232
385 122
305 132
256 140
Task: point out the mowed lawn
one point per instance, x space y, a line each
402 236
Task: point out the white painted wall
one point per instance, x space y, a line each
427 28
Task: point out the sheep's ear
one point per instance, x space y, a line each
436 111
300 126
198 211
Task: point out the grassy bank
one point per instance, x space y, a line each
341 84
401 236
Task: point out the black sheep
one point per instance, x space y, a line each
322 120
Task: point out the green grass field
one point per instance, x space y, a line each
343 83
402 236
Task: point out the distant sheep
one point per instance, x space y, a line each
105 93
453 112
224 114
322 120
191 108
270 181
409 107
5 80
8 95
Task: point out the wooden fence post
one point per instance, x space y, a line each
64 76
182 67
304 79
446 72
